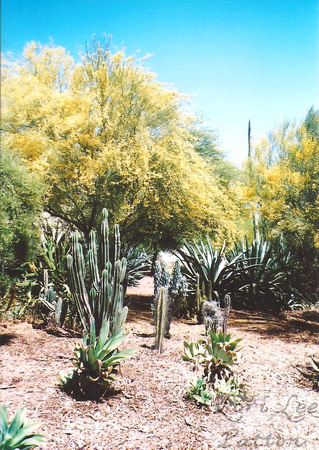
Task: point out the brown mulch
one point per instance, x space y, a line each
148 410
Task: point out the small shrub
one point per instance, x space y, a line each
18 435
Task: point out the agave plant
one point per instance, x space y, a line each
217 355
138 265
209 272
312 373
260 275
194 352
18 435
229 391
96 362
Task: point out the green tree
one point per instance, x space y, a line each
21 203
106 133
284 173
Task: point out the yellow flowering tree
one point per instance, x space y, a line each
283 191
105 133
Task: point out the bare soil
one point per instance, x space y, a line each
147 409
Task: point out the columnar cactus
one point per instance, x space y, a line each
161 318
105 298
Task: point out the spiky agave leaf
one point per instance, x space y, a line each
19 434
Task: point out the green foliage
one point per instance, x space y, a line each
198 391
282 193
103 300
261 280
216 355
216 269
255 275
194 352
96 362
161 317
21 202
105 132
18 435
229 391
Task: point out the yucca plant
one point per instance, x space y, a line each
19 434
96 362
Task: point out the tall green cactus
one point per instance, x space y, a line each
161 317
104 300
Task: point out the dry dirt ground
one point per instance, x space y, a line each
148 410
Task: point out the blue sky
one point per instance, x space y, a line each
238 59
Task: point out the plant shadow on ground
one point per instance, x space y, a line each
6 338
288 326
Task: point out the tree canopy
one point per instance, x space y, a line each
20 198
283 189
105 133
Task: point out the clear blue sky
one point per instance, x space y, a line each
239 59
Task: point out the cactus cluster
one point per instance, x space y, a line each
103 299
55 305
216 318
177 291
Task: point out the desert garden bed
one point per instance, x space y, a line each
147 409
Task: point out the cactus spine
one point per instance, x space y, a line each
105 298
161 314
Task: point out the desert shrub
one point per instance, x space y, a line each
19 434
